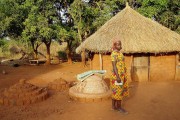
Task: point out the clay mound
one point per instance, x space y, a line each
59 85
23 94
90 90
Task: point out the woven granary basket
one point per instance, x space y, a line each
90 90
22 93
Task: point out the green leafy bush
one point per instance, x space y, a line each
62 55
2 42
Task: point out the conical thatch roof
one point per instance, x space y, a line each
137 33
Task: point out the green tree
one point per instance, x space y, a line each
166 12
12 15
82 16
68 34
170 17
105 10
42 24
88 16
67 31
31 33
2 42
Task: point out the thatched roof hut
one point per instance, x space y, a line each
140 37
137 33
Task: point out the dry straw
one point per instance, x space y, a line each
137 33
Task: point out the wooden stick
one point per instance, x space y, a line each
132 67
149 66
177 65
100 61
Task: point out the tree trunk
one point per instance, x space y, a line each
68 53
35 54
35 48
69 58
48 57
83 59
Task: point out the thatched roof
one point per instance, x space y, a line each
137 33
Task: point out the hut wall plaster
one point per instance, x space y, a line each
162 68
107 65
177 77
152 68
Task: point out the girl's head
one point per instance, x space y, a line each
116 45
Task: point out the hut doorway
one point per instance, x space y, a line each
140 67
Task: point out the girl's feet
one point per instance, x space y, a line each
114 108
121 110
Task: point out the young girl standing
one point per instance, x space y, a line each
118 81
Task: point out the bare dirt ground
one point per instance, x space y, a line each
148 100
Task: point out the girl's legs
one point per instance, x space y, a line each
118 104
114 104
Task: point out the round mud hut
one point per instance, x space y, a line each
151 50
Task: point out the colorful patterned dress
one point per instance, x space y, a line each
119 91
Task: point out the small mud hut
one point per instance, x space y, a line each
151 50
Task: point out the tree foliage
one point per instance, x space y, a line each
72 21
42 24
12 15
166 12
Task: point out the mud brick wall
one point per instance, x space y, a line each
178 72
177 67
162 68
25 100
23 94
128 61
107 64
95 62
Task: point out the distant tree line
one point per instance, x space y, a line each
41 21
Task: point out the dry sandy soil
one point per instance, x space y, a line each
148 100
